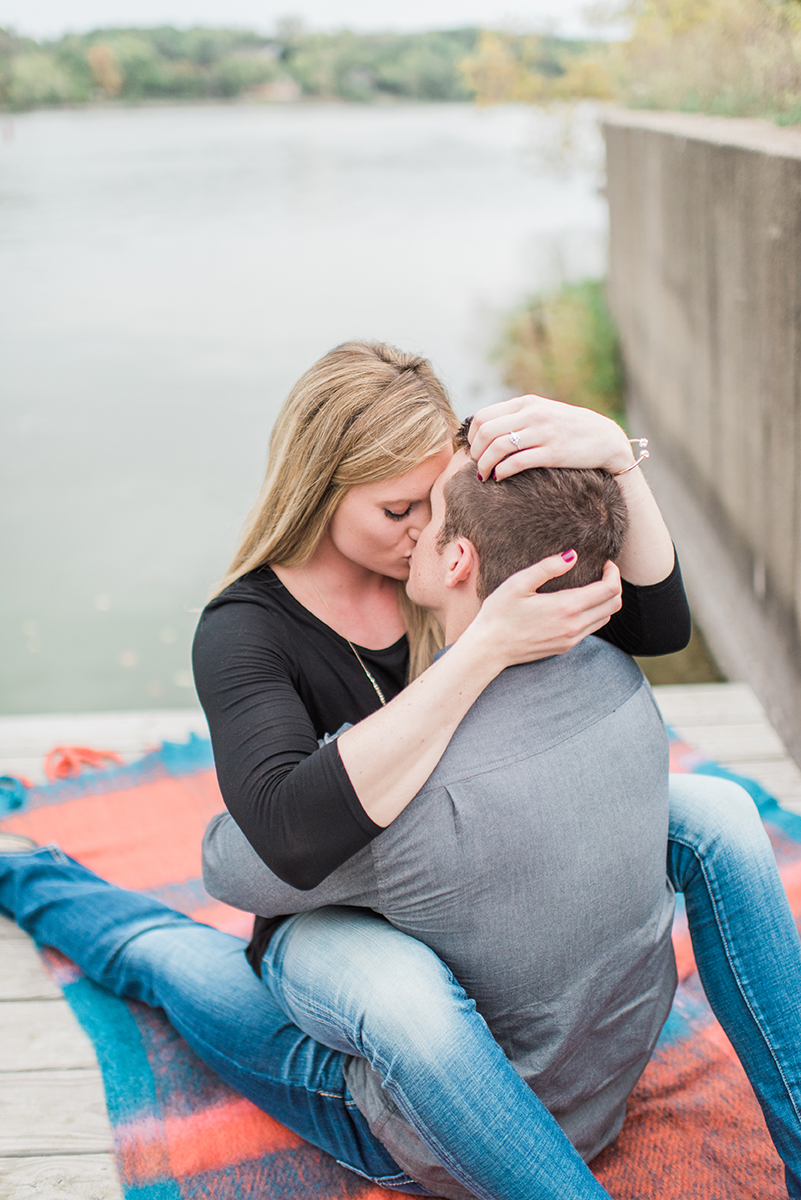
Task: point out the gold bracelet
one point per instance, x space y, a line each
642 443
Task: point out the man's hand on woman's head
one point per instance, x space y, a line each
531 431
519 624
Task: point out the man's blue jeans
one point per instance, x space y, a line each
385 996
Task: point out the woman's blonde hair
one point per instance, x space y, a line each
364 412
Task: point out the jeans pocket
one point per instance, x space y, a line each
398 1183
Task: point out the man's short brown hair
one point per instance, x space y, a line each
542 511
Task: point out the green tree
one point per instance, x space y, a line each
238 73
37 77
71 54
730 57
565 345
137 64
144 72
426 68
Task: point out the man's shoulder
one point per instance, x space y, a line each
593 678
532 708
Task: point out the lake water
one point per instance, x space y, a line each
166 274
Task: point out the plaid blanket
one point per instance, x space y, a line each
694 1128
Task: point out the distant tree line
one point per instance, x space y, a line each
734 58
206 64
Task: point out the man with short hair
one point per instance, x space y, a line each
533 860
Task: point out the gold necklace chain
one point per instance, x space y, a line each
369 674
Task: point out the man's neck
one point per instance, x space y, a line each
459 615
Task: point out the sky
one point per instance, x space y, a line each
51 18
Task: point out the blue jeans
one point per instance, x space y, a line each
137 947
746 945
382 995
440 1051
744 937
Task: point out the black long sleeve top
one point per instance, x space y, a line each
272 679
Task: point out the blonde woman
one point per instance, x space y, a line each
311 630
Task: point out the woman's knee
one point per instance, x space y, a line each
355 944
706 811
716 837
388 986
416 1003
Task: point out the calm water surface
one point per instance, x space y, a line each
166 274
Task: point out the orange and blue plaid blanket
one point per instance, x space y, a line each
693 1129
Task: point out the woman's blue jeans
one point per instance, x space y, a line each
746 945
384 996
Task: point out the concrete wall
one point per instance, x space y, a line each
705 285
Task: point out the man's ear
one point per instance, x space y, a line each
462 563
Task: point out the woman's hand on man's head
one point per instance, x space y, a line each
519 624
531 431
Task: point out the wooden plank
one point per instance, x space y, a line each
726 722
10 929
53 1112
781 777
40 1034
60 1177
34 731
24 741
734 743
709 704
21 766
22 975
792 804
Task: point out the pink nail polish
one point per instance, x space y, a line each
480 479
569 555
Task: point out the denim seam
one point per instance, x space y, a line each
285 1083
435 1145
387 1181
754 1016
405 1109
50 848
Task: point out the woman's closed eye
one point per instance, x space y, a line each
397 516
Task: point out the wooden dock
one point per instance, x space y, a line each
55 1138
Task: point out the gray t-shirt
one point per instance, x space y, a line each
533 863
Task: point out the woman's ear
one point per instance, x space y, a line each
462 563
